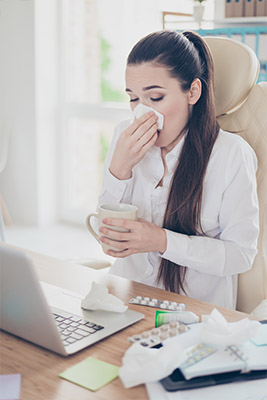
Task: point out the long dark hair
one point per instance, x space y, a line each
187 57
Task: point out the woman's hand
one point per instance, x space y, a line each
133 144
143 237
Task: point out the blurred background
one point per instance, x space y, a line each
62 93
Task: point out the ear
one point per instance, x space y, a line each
194 92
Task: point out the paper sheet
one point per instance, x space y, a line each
253 390
10 386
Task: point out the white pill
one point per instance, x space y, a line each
145 344
164 327
145 334
174 324
182 328
164 335
136 337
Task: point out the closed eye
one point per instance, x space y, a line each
157 99
132 100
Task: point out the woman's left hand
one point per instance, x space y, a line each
143 237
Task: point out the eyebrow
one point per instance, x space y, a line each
147 88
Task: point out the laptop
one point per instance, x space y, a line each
47 315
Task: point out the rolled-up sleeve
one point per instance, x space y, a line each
233 250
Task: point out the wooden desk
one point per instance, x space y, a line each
40 368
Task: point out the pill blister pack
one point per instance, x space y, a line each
155 336
196 354
162 304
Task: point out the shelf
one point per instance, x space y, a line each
240 20
182 18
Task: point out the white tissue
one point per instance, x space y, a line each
99 299
141 109
216 330
261 310
143 364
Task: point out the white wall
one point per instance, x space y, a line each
47 110
17 105
28 101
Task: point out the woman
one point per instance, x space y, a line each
193 183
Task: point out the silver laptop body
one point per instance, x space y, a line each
37 311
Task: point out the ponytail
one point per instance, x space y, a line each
183 211
186 57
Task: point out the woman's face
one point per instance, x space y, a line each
153 86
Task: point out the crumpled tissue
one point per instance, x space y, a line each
143 364
216 330
261 310
98 298
141 109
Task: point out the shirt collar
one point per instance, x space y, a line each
175 152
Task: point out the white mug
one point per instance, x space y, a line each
111 210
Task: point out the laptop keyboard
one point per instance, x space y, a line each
74 328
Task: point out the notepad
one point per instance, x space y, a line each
213 359
10 386
91 373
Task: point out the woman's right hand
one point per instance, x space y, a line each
133 144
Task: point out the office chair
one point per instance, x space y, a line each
241 106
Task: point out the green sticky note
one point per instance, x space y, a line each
91 373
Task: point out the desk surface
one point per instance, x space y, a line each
40 368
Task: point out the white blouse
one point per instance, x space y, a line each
229 218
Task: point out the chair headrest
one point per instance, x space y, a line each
236 70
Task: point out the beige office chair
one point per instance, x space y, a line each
241 106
